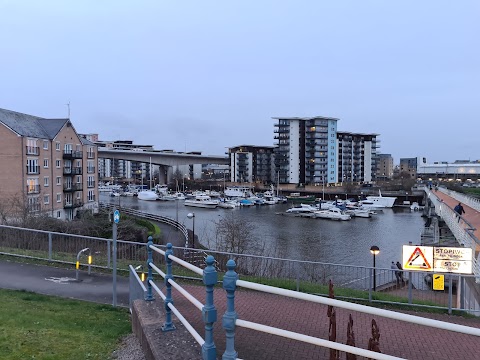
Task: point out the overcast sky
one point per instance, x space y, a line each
204 75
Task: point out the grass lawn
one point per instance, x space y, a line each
34 326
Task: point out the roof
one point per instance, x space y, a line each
31 126
304 118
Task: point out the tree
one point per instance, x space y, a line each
235 235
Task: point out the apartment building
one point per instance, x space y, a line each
384 166
411 166
357 156
46 165
250 163
306 150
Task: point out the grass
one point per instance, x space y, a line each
34 326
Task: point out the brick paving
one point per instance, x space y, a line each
398 338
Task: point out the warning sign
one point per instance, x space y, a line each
438 282
418 258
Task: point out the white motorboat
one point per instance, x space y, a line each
238 192
415 206
179 196
147 195
355 211
203 201
332 214
382 201
227 204
304 210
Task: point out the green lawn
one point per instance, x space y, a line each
38 327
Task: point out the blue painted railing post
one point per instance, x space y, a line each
230 316
168 326
149 296
209 312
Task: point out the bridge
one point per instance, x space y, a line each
161 158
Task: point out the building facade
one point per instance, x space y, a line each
411 166
249 163
46 165
357 155
384 167
306 150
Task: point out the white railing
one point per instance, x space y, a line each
470 201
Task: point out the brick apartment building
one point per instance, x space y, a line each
46 165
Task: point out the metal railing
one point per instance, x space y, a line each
470 201
230 319
304 276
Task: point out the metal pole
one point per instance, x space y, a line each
193 231
230 316
49 246
410 287
374 275
209 312
450 293
168 326
149 296
114 273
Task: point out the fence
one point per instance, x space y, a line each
352 282
230 319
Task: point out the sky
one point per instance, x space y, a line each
207 75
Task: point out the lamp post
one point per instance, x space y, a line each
192 216
374 250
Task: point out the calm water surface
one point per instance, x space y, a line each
339 242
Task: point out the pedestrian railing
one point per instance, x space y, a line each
470 201
231 320
461 229
298 275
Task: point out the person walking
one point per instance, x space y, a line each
396 272
400 273
459 210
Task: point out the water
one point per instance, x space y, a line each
338 242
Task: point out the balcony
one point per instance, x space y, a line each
91 184
90 155
72 171
33 150
72 204
33 207
72 187
70 154
91 198
91 170
33 170
33 189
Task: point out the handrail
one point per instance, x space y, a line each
360 308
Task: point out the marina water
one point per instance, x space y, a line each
338 242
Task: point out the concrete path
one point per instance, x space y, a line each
62 282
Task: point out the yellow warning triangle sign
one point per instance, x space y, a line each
417 261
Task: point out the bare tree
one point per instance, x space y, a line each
235 235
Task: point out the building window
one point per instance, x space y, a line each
79 179
58 163
45 181
59 214
46 199
57 146
59 198
45 144
91 195
45 163
59 180
32 166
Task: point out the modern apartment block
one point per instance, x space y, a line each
384 166
306 151
46 165
249 163
357 155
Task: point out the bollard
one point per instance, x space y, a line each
149 296
168 326
209 312
230 316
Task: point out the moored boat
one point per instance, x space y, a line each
332 214
203 201
147 195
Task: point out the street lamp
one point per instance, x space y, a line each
374 250
192 216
